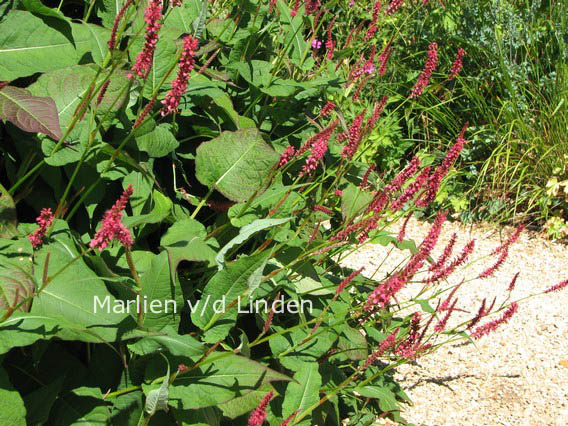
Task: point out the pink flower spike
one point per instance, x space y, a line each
112 228
346 281
179 86
485 329
557 287
259 414
327 108
513 282
289 418
457 65
287 155
44 220
117 19
429 68
394 5
152 15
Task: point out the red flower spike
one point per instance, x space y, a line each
445 254
354 136
457 65
152 15
513 282
179 85
402 232
429 68
112 228
117 19
259 414
330 44
383 347
286 156
485 329
44 220
557 287
394 5
327 109
346 281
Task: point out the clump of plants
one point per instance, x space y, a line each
179 182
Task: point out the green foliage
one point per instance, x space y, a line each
222 255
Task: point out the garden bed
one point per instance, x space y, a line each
518 374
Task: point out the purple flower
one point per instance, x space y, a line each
316 44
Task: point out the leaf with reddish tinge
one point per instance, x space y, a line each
29 113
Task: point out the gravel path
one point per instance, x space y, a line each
517 375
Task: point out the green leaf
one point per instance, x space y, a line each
157 399
39 402
387 399
169 340
70 298
108 11
227 377
237 164
353 343
8 218
158 287
180 19
159 142
83 405
16 279
12 409
262 204
37 7
28 45
353 200
95 47
306 353
185 240
255 72
245 404
245 233
227 285
303 392
69 86
29 113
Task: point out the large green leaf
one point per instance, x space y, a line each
237 164
29 113
68 87
246 403
185 240
227 285
158 142
84 406
169 340
245 233
28 45
353 200
12 409
72 296
304 392
158 287
261 205
16 280
220 381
